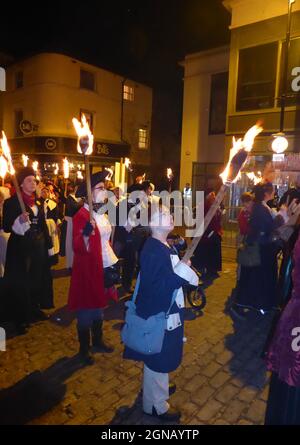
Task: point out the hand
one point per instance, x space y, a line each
24 218
293 213
188 262
89 228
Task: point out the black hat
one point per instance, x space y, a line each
95 179
23 173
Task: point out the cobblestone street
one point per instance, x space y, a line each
222 379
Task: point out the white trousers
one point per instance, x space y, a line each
155 391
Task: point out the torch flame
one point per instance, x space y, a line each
6 154
84 135
169 173
256 179
127 163
66 168
110 175
79 175
3 167
25 160
237 145
56 169
35 165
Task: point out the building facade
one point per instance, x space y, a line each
204 117
254 63
255 86
46 91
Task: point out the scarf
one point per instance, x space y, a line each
28 200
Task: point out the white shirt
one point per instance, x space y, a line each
108 255
184 271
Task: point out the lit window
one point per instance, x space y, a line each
143 138
128 93
19 79
87 80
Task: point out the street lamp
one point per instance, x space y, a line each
280 143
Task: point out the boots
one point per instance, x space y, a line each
97 338
84 351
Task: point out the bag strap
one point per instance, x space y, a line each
136 289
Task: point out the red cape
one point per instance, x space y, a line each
87 281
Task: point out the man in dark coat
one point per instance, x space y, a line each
27 277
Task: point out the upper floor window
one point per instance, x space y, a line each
18 119
143 138
293 82
19 79
257 77
87 80
128 93
218 103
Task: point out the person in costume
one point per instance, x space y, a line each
161 274
92 255
283 359
27 277
72 205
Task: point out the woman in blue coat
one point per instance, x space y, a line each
161 273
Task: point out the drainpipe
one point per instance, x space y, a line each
122 109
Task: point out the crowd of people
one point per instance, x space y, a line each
57 223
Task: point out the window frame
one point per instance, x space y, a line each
238 108
92 73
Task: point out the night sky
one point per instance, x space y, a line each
142 39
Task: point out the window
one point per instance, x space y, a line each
87 80
143 138
18 120
89 117
293 97
257 77
128 93
19 79
218 103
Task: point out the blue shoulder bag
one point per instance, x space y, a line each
144 336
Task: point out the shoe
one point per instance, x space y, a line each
99 345
172 388
39 315
84 351
238 312
169 416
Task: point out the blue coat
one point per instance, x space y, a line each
158 282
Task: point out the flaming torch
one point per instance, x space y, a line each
237 159
85 147
3 168
25 160
255 179
170 177
66 168
10 169
35 166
